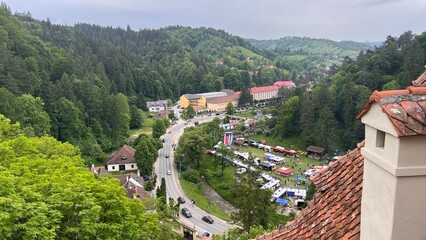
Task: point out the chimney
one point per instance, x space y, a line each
394 182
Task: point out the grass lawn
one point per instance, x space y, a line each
246 114
194 192
146 126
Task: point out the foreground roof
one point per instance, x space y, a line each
406 109
420 81
335 210
125 154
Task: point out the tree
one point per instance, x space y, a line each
135 117
326 128
255 203
146 154
158 128
189 112
225 153
230 108
30 113
191 148
288 117
245 97
53 196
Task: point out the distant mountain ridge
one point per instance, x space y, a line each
312 46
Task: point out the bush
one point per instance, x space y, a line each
149 186
191 175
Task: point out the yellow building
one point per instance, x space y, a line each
193 100
219 104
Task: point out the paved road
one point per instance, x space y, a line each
174 189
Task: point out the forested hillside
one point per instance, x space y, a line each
84 84
312 46
326 116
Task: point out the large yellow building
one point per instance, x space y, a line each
193 100
219 104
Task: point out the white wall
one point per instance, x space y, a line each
128 166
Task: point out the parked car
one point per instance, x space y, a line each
186 212
208 219
181 200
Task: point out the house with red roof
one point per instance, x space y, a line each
376 191
121 160
264 92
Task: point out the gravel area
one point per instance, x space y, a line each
217 199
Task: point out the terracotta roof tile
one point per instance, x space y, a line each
406 109
335 211
420 81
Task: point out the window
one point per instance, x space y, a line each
132 166
380 139
113 167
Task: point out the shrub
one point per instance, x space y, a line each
191 175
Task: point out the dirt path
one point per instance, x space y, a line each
217 199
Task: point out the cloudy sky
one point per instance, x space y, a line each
359 20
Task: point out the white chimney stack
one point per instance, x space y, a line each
393 202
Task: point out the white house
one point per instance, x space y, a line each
121 160
157 106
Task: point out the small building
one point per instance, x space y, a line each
264 92
315 152
156 106
122 160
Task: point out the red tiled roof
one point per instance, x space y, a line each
223 99
125 154
406 109
264 89
335 210
420 81
287 83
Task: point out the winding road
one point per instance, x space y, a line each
173 187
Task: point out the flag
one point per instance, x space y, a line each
227 140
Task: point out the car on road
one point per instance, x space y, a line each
181 200
208 219
170 131
186 212
206 234
169 172
167 155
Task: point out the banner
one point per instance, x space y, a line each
227 140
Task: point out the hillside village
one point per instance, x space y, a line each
194 133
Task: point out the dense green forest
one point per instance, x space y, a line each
326 115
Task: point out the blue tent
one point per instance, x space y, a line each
282 201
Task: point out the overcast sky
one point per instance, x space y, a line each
358 20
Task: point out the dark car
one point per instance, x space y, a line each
186 212
181 200
206 234
208 219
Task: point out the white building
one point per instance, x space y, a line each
157 106
121 160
